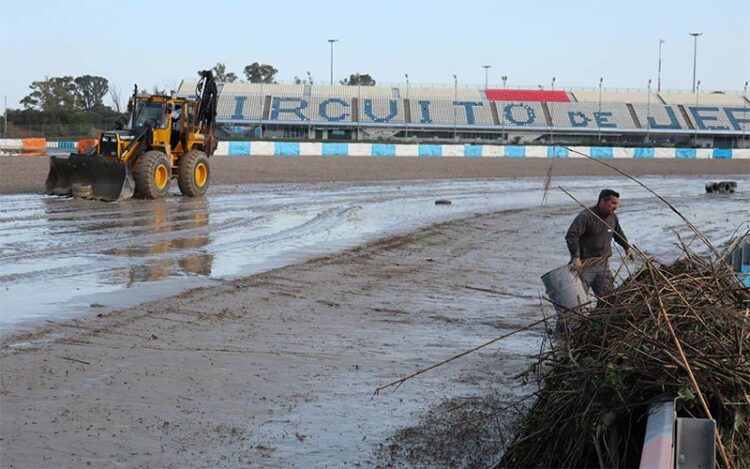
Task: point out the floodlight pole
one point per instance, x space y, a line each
695 121
658 78
406 122
552 120
359 109
455 98
744 113
260 119
332 41
648 113
599 115
502 127
486 75
695 55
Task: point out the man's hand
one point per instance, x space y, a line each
629 255
576 264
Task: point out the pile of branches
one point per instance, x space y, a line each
679 331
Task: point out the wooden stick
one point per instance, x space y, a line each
688 369
400 381
75 360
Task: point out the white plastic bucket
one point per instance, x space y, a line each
565 288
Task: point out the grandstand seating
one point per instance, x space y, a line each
448 106
262 88
239 107
328 109
591 115
381 111
528 95
615 97
186 88
338 91
450 112
461 94
521 114
333 91
660 117
719 118
704 99
290 109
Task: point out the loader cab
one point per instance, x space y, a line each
152 112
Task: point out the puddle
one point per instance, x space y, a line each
57 255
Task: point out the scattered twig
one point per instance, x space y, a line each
75 360
400 381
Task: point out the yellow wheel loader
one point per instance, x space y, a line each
166 138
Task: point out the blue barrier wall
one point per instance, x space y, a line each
473 150
685 153
239 148
601 152
430 150
335 149
644 153
381 149
557 152
286 149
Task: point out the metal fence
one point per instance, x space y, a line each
54 131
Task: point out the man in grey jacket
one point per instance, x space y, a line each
589 240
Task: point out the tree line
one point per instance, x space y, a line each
264 73
69 100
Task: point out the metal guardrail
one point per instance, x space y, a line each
739 259
674 442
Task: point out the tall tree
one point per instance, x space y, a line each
355 79
302 81
220 72
116 96
260 73
89 92
52 94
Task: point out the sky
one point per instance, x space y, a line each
160 43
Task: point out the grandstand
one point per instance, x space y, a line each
398 113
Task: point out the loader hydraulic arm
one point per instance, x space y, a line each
206 113
142 140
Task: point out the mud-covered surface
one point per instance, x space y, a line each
460 432
62 257
20 174
279 368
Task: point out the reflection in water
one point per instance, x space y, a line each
170 234
57 254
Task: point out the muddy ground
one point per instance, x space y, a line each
27 174
279 369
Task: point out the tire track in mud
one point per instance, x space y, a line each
132 228
50 241
322 221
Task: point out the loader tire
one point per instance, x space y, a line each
152 175
193 174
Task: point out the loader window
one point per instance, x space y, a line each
154 112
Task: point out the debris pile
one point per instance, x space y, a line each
682 331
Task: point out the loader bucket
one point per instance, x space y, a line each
89 176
